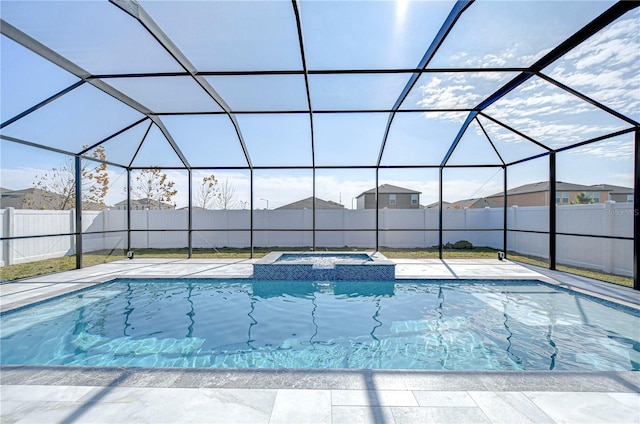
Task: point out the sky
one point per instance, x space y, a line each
250 36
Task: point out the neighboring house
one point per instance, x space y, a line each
389 196
308 204
616 193
36 198
436 205
468 204
537 194
144 204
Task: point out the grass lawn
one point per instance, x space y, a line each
31 269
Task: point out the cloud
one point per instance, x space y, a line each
551 115
606 66
448 93
613 149
454 91
20 177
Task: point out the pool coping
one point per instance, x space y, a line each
323 379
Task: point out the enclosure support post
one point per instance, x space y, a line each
377 211
504 213
552 210
251 214
78 193
128 209
636 214
313 208
440 215
190 217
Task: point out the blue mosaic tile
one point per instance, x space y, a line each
378 269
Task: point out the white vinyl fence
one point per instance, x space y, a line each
409 228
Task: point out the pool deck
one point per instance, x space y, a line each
106 394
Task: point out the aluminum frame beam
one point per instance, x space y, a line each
136 11
296 11
636 212
457 11
40 49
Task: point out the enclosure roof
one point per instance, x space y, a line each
318 84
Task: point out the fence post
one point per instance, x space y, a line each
514 239
72 226
8 231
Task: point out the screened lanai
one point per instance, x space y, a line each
193 127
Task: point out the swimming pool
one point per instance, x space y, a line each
428 325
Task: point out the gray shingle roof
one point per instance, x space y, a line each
390 189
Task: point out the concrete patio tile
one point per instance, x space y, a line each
302 406
54 412
632 400
229 406
45 393
509 407
373 398
361 415
451 398
593 407
435 415
13 289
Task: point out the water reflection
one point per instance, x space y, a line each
335 324
268 289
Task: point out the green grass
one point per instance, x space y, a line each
585 272
433 253
47 266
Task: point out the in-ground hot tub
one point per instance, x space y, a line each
318 266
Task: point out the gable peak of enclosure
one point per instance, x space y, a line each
322 87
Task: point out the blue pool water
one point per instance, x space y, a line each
434 325
324 259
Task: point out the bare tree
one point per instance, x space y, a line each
208 193
56 189
152 187
227 198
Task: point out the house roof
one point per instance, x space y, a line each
308 204
560 186
143 202
37 198
437 204
390 189
613 188
477 203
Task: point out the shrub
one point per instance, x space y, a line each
462 244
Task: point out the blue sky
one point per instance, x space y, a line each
243 35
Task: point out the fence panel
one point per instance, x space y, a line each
416 228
